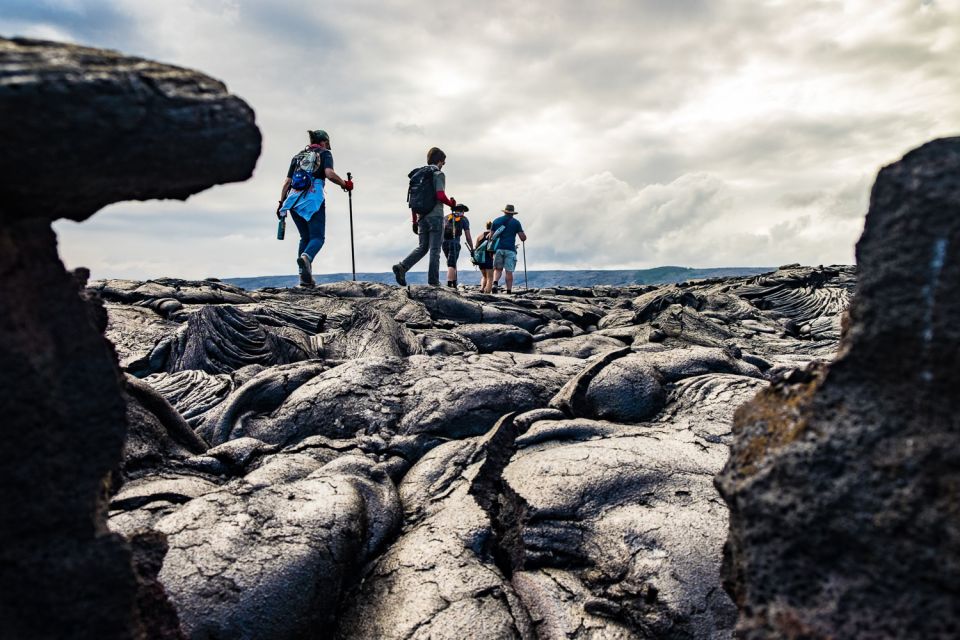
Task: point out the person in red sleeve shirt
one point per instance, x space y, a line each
428 227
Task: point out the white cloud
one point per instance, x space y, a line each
688 132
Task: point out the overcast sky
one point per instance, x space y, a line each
629 134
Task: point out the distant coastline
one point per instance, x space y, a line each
537 279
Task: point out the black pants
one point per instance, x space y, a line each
451 249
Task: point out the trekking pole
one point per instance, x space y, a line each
523 243
353 261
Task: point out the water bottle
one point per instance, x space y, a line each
281 227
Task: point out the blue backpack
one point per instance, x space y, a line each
494 241
307 161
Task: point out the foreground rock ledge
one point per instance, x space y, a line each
82 128
843 483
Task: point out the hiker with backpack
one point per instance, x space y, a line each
455 224
506 229
302 196
426 196
483 258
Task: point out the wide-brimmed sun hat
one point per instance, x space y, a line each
509 209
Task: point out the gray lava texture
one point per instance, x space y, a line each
376 462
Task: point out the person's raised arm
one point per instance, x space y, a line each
442 197
334 178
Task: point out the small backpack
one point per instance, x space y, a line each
481 250
450 229
308 161
421 195
494 241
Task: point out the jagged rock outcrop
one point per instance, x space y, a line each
843 479
121 128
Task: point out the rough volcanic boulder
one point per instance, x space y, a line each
157 433
842 483
134 332
444 342
441 579
424 396
445 305
616 531
585 346
368 332
267 556
192 393
629 385
496 337
121 128
221 339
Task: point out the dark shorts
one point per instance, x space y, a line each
451 249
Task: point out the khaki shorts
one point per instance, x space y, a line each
504 259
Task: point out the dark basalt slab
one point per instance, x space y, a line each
842 479
120 128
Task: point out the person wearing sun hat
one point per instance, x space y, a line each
505 246
302 196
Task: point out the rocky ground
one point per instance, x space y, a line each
364 461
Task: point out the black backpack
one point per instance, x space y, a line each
421 195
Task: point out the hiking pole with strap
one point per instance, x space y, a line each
353 261
523 243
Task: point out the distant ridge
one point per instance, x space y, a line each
537 279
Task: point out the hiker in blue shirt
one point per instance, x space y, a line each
302 195
505 244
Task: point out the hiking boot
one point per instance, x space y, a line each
306 270
496 288
398 273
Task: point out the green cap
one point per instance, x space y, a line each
319 135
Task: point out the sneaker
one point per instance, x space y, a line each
496 288
398 273
306 270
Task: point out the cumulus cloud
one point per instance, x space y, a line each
629 133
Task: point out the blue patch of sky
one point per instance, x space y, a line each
93 23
